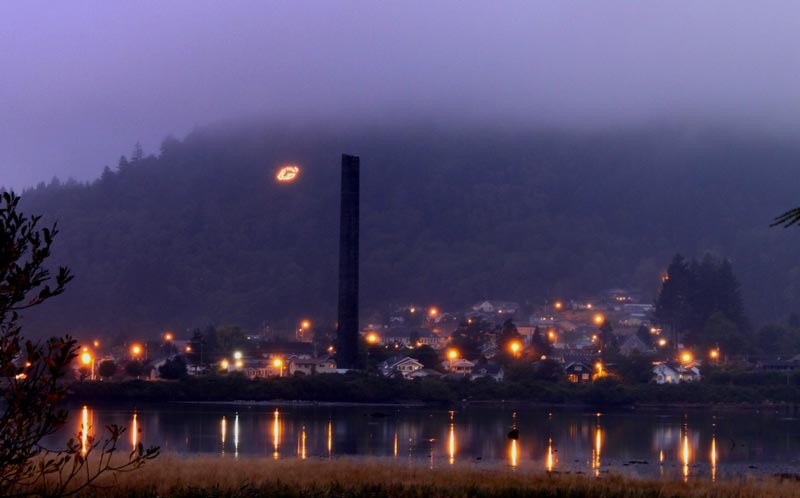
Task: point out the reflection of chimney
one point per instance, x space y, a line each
347 329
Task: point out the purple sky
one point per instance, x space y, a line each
80 82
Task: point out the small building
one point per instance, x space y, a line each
310 366
491 370
579 372
496 307
459 366
633 344
424 372
400 366
406 337
674 373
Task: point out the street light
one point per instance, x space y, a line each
372 338
136 350
278 363
88 360
714 354
237 355
452 355
96 343
558 305
239 364
168 336
662 342
599 319
305 324
433 312
599 367
686 357
515 347
225 364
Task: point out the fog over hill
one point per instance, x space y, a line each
202 234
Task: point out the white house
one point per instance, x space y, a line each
459 366
664 373
499 307
403 366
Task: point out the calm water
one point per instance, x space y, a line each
672 444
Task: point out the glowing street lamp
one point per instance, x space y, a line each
515 347
558 305
433 312
686 357
599 319
136 350
662 342
714 354
278 363
372 338
305 324
599 367
96 343
239 364
168 336
237 355
88 360
452 355
224 364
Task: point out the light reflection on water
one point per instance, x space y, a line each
674 446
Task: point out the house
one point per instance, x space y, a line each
424 372
579 372
633 344
459 366
407 337
400 366
496 307
674 373
491 370
310 366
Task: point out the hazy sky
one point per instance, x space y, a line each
80 82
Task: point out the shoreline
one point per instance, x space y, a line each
645 407
371 390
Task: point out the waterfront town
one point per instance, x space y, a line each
576 341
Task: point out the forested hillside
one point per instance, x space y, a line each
200 233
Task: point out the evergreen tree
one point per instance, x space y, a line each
701 303
138 153
672 308
540 344
609 346
107 368
644 335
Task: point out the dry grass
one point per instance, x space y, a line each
174 476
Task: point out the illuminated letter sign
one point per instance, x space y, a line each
287 174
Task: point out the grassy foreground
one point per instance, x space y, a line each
172 476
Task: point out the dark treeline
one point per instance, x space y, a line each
200 233
701 305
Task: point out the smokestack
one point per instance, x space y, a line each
347 329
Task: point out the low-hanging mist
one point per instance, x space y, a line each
202 233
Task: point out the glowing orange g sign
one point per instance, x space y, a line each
288 173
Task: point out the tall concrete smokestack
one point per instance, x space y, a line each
347 330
